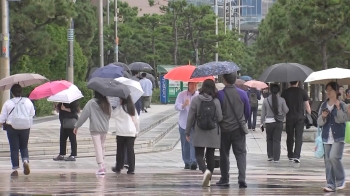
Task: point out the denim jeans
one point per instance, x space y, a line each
18 140
335 173
253 113
188 152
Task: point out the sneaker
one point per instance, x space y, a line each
296 160
187 166
270 159
328 189
341 186
206 178
291 159
59 158
14 173
126 166
100 172
193 166
26 169
115 170
130 172
242 184
70 158
222 183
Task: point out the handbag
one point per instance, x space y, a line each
244 128
6 126
277 117
319 148
69 123
347 132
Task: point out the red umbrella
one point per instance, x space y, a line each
48 89
256 84
183 73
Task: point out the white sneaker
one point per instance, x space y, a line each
342 186
100 172
296 160
328 189
206 178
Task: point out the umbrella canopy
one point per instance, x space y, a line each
49 89
219 86
183 73
108 71
140 66
285 72
123 65
24 79
67 96
256 84
240 84
215 68
339 75
127 74
246 78
109 87
135 87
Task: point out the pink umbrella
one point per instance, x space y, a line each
256 84
48 89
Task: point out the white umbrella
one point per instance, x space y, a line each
67 96
134 87
339 75
219 86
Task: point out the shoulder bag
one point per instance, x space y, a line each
277 117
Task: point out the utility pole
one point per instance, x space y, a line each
239 18
197 59
230 16
100 32
225 21
70 56
108 12
5 53
116 47
216 28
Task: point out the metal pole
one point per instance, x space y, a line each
197 59
216 28
108 12
70 59
5 53
116 49
100 32
230 17
225 21
239 17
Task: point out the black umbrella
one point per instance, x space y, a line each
109 87
140 66
123 65
127 74
285 72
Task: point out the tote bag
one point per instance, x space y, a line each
319 149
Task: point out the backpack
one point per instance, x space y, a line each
253 100
20 116
206 119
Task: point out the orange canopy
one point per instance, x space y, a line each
183 73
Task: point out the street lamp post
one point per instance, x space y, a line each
70 56
100 33
225 21
5 53
216 28
116 47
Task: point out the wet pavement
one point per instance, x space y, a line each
162 174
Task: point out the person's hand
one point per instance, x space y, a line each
62 107
337 104
324 113
188 138
75 131
187 102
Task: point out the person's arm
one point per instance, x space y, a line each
245 100
84 115
320 120
4 114
74 107
285 108
219 115
258 94
342 114
179 103
263 113
306 102
191 116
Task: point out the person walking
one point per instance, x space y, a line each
205 114
347 96
68 115
273 110
297 101
333 114
128 126
17 123
182 104
147 87
232 134
254 96
98 110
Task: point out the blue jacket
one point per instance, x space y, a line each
335 120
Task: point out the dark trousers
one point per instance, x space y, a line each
64 135
273 139
129 142
18 140
209 156
237 140
138 106
294 128
253 113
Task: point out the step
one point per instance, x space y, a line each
147 140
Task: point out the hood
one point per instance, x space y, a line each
205 97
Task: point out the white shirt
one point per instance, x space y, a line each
147 86
180 100
10 104
114 101
126 125
330 134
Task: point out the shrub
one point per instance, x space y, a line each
88 94
156 96
43 107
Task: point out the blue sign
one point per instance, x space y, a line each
163 90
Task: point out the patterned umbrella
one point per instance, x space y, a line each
215 68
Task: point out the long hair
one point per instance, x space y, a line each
274 90
128 105
209 88
103 102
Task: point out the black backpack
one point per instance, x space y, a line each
206 119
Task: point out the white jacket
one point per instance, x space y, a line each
126 125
